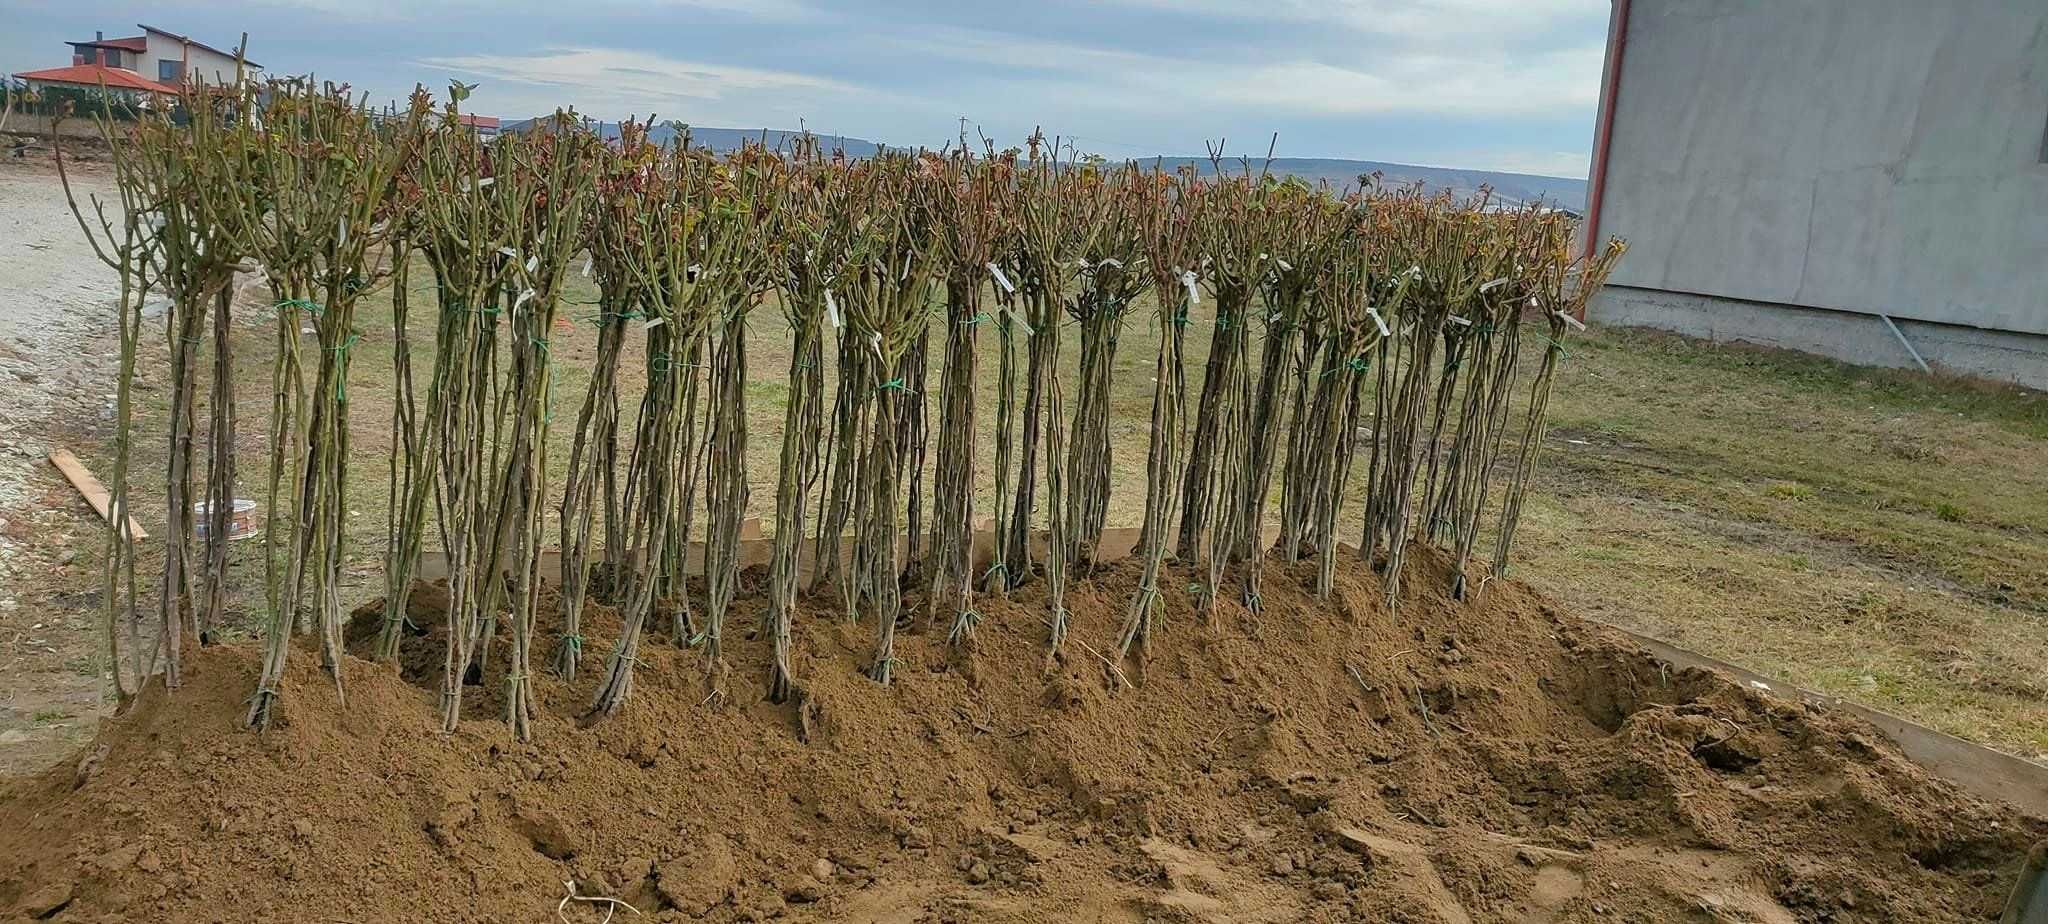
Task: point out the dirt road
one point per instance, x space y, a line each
56 308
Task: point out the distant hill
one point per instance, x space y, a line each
729 139
1510 188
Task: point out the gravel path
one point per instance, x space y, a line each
55 299
56 309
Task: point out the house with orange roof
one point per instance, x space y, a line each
156 63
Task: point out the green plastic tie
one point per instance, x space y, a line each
1561 354
305 304
575 643
977 319
1357 364
895 383
341 373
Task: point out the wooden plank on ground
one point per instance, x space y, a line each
91 489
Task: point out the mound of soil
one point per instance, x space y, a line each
1312 762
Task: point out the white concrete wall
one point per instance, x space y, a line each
1857 338
214 67
1872 156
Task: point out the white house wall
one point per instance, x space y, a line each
216 68
1869 156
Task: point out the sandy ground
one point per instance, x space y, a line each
56 307
1491 761
1841 554
54 299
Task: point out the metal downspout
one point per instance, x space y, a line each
1603 132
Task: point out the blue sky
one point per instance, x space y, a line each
1492 84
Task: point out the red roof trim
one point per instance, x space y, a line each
137 44
96 75
191 41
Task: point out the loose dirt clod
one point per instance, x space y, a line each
1568 772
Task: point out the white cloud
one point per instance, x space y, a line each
1451 21
610 83
1013 51
1544 84
1570 164
775 11
1401 81
1417 80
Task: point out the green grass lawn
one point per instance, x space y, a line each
1879 536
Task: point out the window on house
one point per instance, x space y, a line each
169 71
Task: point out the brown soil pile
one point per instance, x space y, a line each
1309 763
